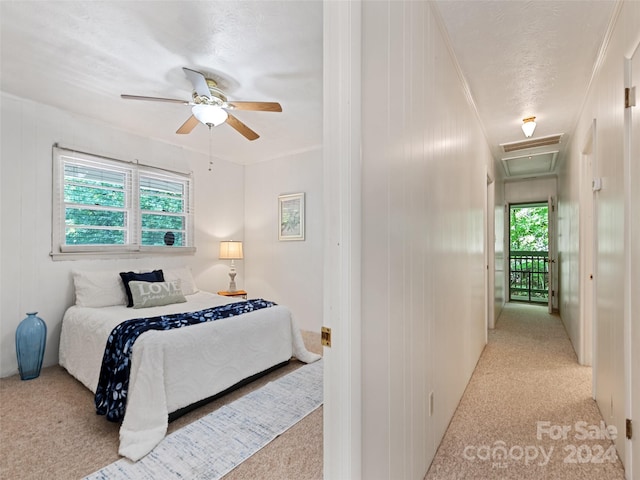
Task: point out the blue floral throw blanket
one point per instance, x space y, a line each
111 394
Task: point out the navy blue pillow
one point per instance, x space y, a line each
155 276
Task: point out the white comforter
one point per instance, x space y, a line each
176 368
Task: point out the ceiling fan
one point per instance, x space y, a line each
211 107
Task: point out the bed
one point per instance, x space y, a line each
173 369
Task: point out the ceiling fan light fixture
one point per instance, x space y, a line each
209 114
210 106
528 126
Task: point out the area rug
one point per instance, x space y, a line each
211 447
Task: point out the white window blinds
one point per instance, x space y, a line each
103 205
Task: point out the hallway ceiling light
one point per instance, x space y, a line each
528 126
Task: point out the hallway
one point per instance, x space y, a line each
529 395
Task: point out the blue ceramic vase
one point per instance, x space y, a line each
31 337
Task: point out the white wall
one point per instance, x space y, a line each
424 180
605 105
530 190
29 279
288 272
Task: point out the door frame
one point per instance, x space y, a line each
587 248
489 254
551 254
342 87
550 203
632 253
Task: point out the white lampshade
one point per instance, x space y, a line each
209 114
230 250
529 126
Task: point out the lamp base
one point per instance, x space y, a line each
232 282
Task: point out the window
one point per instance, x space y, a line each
107 206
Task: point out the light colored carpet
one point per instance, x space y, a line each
49 429
526 388
212 446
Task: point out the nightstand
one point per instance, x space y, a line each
237 293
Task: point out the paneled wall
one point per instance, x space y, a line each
604 105
29 279
424 184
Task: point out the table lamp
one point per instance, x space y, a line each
231 250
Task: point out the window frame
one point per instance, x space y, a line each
133 171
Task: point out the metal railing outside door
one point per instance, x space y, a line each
529 276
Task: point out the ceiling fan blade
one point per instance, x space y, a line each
242 128
198 81
189 125
257 106
154 99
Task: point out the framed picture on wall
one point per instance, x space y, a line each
291 217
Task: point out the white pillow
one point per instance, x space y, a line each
99 288
184 275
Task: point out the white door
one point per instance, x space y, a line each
341 158
587 251
632 357
551 254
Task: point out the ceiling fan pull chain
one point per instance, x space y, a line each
210 141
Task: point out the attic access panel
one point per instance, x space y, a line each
532 143
534 164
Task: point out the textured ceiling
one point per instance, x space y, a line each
81 55
519 58
527 58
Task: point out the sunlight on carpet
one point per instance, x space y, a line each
209 448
